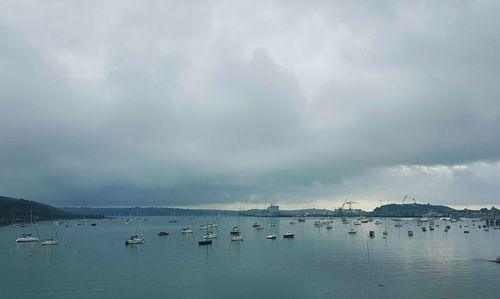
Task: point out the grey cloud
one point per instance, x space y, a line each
174 103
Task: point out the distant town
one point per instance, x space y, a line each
389 210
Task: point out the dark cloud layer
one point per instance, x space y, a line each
165 103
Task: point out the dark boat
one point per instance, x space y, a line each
288 235
371 234
205 242
93 224
162 234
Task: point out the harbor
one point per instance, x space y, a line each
330 261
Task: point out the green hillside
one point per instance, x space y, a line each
19 210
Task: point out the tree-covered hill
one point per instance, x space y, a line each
19 210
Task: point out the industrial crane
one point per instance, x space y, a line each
350 205
343 205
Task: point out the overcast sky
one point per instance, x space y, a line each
242 103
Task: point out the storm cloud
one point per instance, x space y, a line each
222 102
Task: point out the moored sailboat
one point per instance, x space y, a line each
52 240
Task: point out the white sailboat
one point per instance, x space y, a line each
172 219
135 239
52 240
28 237
385 233
237 238
271 237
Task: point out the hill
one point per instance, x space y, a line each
19 210
412 210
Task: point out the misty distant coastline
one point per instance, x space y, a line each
389 210
19 210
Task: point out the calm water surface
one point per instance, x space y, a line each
93 262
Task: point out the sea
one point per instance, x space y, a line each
94 262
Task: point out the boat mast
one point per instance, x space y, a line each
34 224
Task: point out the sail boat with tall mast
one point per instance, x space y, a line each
352 231
205 240
385 233
51 241
135 239
172 219
28 237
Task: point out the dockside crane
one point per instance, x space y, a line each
350 206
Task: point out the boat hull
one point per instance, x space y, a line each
27 240
204 242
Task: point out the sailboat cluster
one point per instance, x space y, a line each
412 226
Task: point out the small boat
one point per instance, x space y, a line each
272 225
497 260
371 234
352 231
187 230
301 219
271 237
134 240
93 224
398 225
358 223
162 234
431 228
26 238
424 229
204 242
49 242
385 233
292 222
172 217
235 231
209 235
466 231
329 226
237 238
410 233
288 235
52 240
445 230
255 225
378 222
364 221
